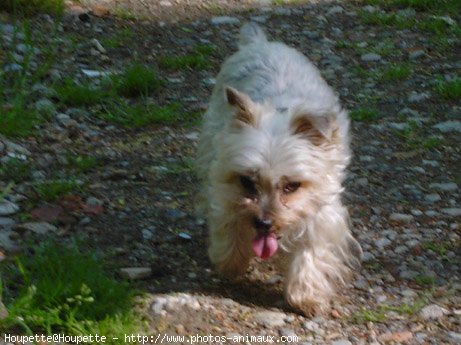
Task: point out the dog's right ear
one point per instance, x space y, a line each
244 106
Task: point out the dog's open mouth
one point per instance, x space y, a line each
265 245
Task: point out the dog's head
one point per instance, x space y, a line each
276 168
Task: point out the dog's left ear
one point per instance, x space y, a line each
318 129
243 103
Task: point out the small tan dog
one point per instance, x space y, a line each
272 154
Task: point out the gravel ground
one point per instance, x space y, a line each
402 189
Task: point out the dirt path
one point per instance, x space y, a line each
402 190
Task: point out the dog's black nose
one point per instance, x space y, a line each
262 224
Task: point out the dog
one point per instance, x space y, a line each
272 154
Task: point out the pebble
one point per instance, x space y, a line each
416 54
41 228
418 96
448 126
444 187
225 20
341 342
8 208
6 222
401 218
453 212
335 10
371 57
455 336
135 273
382 242
45 107
270 319
433 311
431 198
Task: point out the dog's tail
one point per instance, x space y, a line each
251 33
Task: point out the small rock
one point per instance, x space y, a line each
6 222
418 96
416 54
444 187
341 342
370 57
92 201
185 236
431 198
270 319
335 10
96 44
448 126
287 332
225 20
8 208
453 212
147 234
45 107
382 243
396 337
401 218
15 148
455 336
432 311
63 119
40 228
135 273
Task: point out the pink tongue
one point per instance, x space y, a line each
265 246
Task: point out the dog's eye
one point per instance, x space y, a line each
291 187
248 184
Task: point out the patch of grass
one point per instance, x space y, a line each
363 114
386 19
414 137
81 164
197 60
72 94
122 37
433 6
18 115
396 72
59 288
136 80
33 6
16 120
438 247
450 90
138 115
54 189
439 26
368 315
379 313
124 13
16 170
424 280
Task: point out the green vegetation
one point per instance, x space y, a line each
15 169
122 37
363 114
54 189
33 6
396 72
197 60
424 280
136 80
432 6
18 117
450 90
379 313
60 289
81 164
73 94
138 115
415 137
